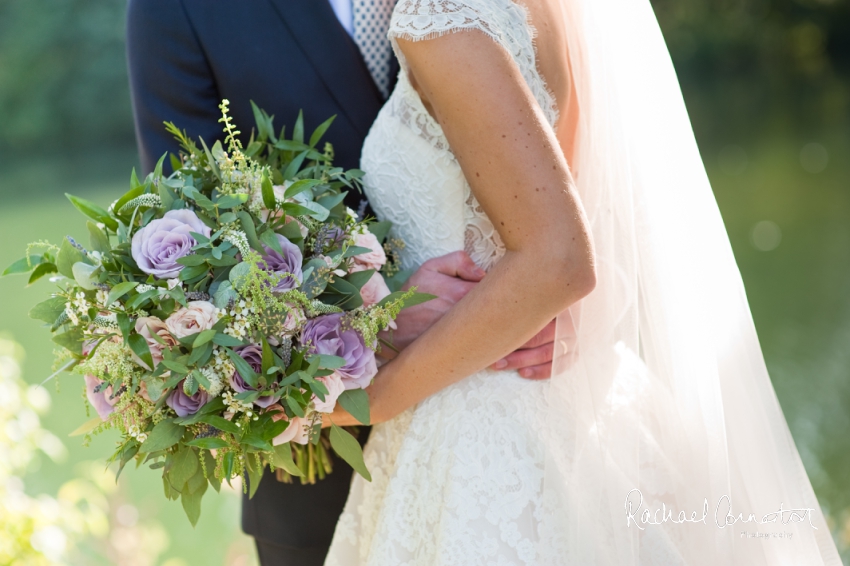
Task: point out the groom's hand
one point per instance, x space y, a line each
450 278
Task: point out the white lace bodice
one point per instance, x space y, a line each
412 177
458 479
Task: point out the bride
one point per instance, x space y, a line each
548 139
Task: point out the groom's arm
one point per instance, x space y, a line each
170 78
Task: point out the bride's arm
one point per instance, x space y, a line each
517 171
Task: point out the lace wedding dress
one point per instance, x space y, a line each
457 479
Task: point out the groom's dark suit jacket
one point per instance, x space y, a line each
185 56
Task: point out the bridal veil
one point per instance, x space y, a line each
668 407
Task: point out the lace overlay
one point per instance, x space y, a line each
459 478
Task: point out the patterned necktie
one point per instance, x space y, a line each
371 22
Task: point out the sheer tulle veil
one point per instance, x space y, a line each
668 406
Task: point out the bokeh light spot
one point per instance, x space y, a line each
766 236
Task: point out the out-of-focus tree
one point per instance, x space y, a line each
756 65
63 82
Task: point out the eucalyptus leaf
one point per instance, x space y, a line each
183 466
349 450
356 402
66 258
48 311
84 275
119 290
282 458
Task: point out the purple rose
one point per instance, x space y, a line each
183 404
289 263
253 354
325 335
157 247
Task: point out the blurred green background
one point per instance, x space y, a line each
767 83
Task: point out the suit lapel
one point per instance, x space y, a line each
335 57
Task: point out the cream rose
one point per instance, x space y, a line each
375 289
296 431
196 317
147 326
335 387
374 259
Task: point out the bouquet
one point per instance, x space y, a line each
219 314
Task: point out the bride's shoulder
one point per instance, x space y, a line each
427 19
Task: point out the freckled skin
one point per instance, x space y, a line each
476 92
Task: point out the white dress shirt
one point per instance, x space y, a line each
345 14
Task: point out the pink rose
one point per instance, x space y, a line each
369 260
335 387
197 317
101 399
294 319
375 290
297 431
147 326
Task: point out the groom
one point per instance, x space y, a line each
325 57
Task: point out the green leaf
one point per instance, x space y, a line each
250 230
255 475
211 443
71 340
300 186
413 300
268 192
210 465
224 294
298 129
204 337
307 208
87 426
320 131
326 361
360 278
380 229
296 408
192 260
128 196
231 201
295 165
282 458
269 238
83 275
40 271
125 323
48 311
239 274
140 347
183 466
97 238
221 424
268 355
120 290
352 251
172 364
243 368
189 273
93 211
66 258
164 435
23 265
356 402
192 503
227 340
329 201
349 450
